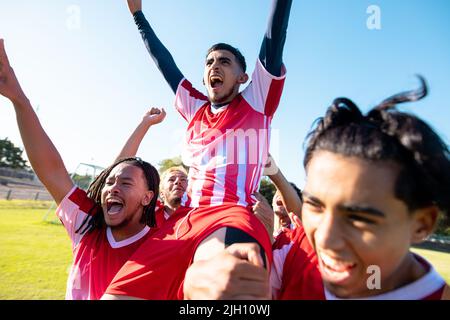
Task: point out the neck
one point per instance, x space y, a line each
123 233
170 208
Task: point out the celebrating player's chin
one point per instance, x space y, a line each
357 226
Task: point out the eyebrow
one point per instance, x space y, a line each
221 59
349 208
311 197
363 209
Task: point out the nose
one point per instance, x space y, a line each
329 234
114 188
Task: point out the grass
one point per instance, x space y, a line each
35 256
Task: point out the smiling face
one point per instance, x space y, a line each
124 196
222 76
173 188
353 220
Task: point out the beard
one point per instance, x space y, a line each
174 201
224 98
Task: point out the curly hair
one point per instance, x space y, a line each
386 134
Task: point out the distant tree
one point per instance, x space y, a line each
267 189
171 162
11 156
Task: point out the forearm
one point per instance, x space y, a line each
291 200
271 53
131 147
42 154
162 57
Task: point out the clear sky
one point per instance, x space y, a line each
86 71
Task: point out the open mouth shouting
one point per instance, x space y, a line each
216 82
335 271
114 206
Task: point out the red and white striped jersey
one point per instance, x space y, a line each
227 148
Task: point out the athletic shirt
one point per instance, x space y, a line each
295 274
226 150
96 255
156 270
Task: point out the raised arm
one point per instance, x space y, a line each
42 154
291 200
271 53
162 57
151 117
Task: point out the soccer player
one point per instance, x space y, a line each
282 219
376 184
172 191
227 144
107 223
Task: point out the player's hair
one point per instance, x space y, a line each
386 134
235 51
297 190
95 219
170 170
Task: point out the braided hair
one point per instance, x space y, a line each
386 134
95 219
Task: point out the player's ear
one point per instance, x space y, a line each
147 198
243 78
424 222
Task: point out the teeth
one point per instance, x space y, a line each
335 265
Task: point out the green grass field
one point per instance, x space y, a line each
35 256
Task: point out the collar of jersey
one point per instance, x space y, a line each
119 244
219 109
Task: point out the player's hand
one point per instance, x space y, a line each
270 167
154 116
263 211
295 219
9 85
134 5
236 273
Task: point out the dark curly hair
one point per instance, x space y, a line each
96 219
386 134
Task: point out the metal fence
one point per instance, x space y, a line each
18 194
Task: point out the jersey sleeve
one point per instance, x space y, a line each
188 100
280 250
264 91
73 210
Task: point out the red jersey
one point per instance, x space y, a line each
156 271
295 274
227 148
97 256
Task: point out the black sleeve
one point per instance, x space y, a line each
271 53
233 235
162 57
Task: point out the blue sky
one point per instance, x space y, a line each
85 69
